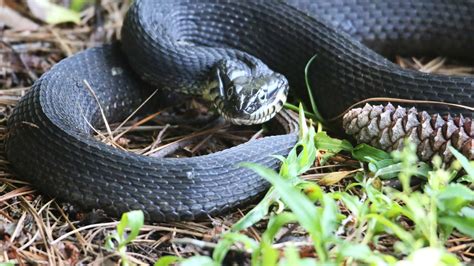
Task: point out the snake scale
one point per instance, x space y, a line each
173 44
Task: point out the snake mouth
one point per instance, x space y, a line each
258 116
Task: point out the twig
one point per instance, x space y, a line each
399 100
113 224
66 235
202 142
19 226
159 137
144 120
107 126
16 192
135 111
258 134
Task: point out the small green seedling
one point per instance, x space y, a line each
120 239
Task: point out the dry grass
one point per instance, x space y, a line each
37 229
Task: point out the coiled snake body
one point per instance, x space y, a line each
174 44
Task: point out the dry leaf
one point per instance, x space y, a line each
14 20
335 177
52 13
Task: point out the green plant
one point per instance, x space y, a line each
320 221
78 5
119 240
434 211
53 13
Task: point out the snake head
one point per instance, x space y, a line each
244 98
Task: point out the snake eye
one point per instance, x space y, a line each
262 96
230 92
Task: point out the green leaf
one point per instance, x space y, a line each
292 257
393 170
377 198
298 163
311 190
301 206
302 123
352 203
369 154
467 212
331 146
329 215
401 233
462 224
52 13
198 261
306 213
307 155
226 242
275 224
134 220
289 167
78 5
359 252
292 166
257 213
464 162
450 259
323 142
167 260
457 191
466 178
454 197
109 243
268 255
375 166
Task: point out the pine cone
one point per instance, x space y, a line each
386 127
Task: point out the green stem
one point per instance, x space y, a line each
320 250
434 242
296 109
318 116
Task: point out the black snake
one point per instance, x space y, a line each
175 44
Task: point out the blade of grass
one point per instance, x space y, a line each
310 93
296 109
300 205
